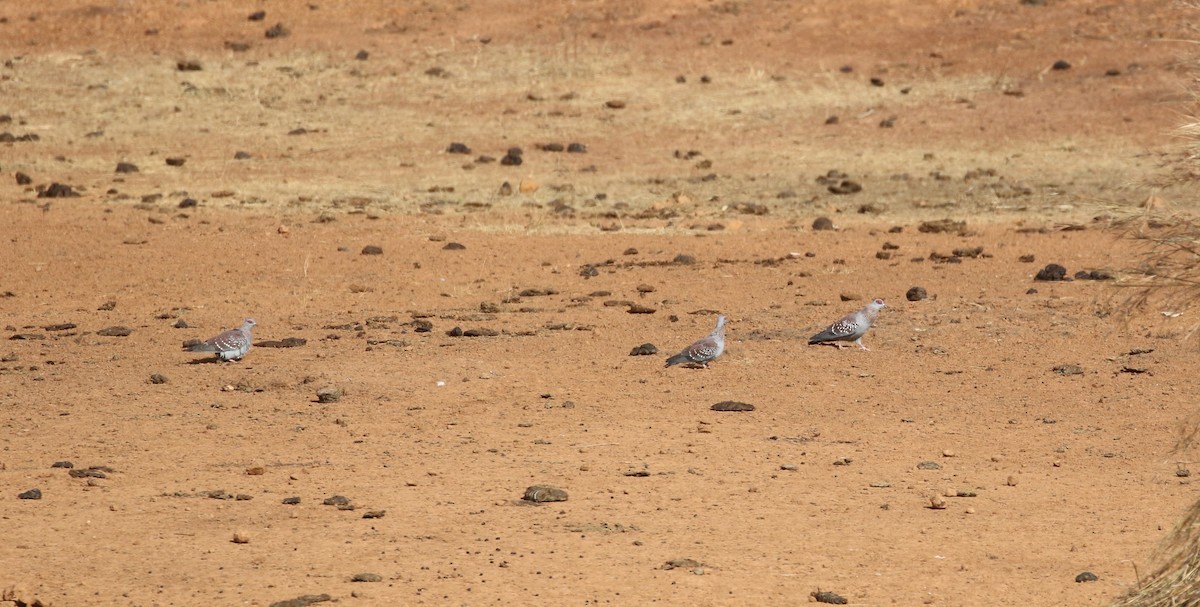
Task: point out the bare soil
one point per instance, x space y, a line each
1042 419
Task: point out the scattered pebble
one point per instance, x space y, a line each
32 494
1066 370
454 246
372 250
544 493
366 577
646 349
291 501
1051 272
129 167
158 378
1086 576
929 465
682 564
303 601
822 223
916 294
1060 65
732 405
115 331
337 500
57 190
832 598
374 514
63 464
330 394
937 503
278 31
240 537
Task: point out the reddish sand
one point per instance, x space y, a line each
705 127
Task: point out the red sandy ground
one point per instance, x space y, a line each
818 488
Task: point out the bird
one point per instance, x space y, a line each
850 327
705 350
229 345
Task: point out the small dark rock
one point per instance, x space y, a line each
337 500
832 598
876 81
845 186
92 472
366 577
929 465
576 148
916 294
552 147
1051 272
455 332
942 225
291 501
511 160
23 179
684 259
1066 370
32 494
362 55
1026 259
544 493
115 332
1061 64
458 148
287 342
188 66
257 16
682 564
303 601
1183 473
1086 576
58 190
278 31
375 514
454 246
242 155
158 378
480 332
372 250
187 203
646 349
637 308
421 325
176 161
62 326
126 167
63 464
330 394
822 223
732 405
589 271
181 324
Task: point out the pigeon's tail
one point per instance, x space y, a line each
200 347
680 358
821 338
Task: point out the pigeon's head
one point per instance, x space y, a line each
721 321
877 305
249 322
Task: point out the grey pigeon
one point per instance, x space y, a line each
229 345
851 327
704 350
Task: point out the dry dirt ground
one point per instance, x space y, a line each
704 127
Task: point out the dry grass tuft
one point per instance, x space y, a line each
1176 583
1167 274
